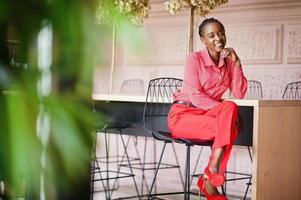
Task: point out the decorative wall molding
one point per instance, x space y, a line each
249 7
257 44
293 45
167 46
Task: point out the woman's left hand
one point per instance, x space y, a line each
229 52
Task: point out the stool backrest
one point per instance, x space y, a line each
132 87
292 90
158 100
254 90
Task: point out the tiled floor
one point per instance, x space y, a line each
126 191
168 180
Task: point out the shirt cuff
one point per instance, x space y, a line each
237 71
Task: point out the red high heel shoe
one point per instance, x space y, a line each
215 179
201 185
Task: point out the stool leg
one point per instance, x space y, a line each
117 160
96 169
127 157
118 163
224 187
250 180
142 165
250 153
156 172
93 157
248 185
196 163
107 163
100 176
155 158
107 147
177 162
187 174
119 166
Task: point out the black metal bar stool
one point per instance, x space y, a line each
102 166
292 90
157 104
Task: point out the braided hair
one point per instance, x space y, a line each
208 21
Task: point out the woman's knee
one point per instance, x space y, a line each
230 105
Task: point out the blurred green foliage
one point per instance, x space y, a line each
68 149
118 11
55 165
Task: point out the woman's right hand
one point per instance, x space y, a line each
230 52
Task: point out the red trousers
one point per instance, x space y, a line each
217 124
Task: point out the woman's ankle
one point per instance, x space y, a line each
210 189
213 168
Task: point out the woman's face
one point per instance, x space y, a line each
214 37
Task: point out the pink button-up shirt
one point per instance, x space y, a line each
204 82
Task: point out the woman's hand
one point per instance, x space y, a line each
229 52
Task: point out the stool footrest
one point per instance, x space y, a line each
115 175
150 166
116 158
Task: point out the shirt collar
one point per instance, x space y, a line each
208 61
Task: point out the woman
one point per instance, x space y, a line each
199 113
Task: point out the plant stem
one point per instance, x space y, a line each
113 59
190 31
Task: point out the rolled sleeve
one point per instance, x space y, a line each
238 85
